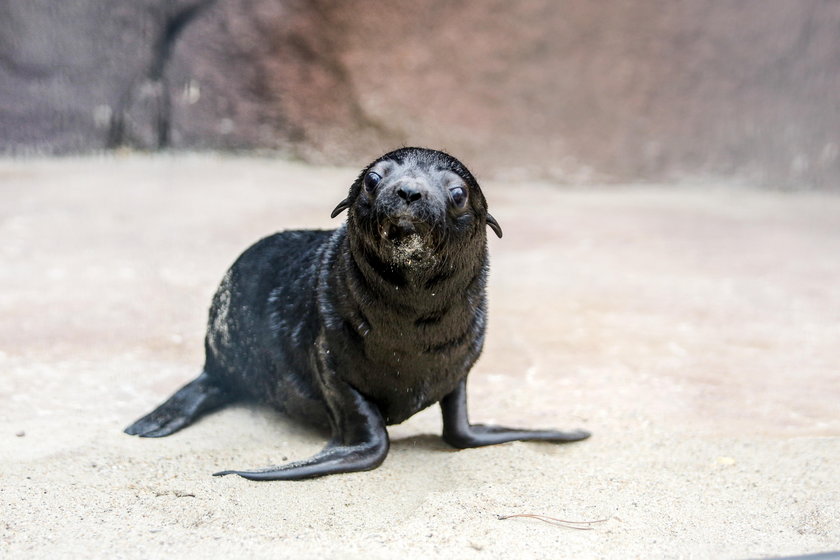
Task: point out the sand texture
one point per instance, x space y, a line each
695 330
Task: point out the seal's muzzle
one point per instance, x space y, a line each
398 228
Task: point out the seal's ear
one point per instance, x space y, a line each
494 225
342 206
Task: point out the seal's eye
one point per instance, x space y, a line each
371 180
459 196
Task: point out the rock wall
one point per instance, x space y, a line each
563 90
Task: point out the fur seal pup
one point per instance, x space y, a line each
359 327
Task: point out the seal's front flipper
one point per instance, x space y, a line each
334 459
360 442
458 432
192 401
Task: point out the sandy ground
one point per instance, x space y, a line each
694 330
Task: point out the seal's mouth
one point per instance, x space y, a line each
396 230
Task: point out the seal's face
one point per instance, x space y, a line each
413 203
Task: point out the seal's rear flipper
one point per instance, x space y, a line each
360 441
458 432
192 401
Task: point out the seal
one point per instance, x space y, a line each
360 327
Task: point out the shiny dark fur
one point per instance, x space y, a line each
359 327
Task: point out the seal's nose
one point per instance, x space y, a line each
409 193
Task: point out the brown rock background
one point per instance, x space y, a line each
568 91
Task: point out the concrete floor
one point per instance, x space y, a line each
694 329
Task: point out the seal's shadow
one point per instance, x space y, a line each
269 421
423 442
309 433
272 419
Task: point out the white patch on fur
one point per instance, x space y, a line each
219 327
413 251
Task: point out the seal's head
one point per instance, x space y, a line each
413 203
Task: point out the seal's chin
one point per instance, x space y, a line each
409 242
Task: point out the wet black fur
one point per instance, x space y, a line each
401 335
331 328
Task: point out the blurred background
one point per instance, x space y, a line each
692 325
566 91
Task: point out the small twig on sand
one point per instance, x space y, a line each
580 525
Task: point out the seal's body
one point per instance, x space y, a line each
361 326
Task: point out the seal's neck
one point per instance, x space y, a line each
419 278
